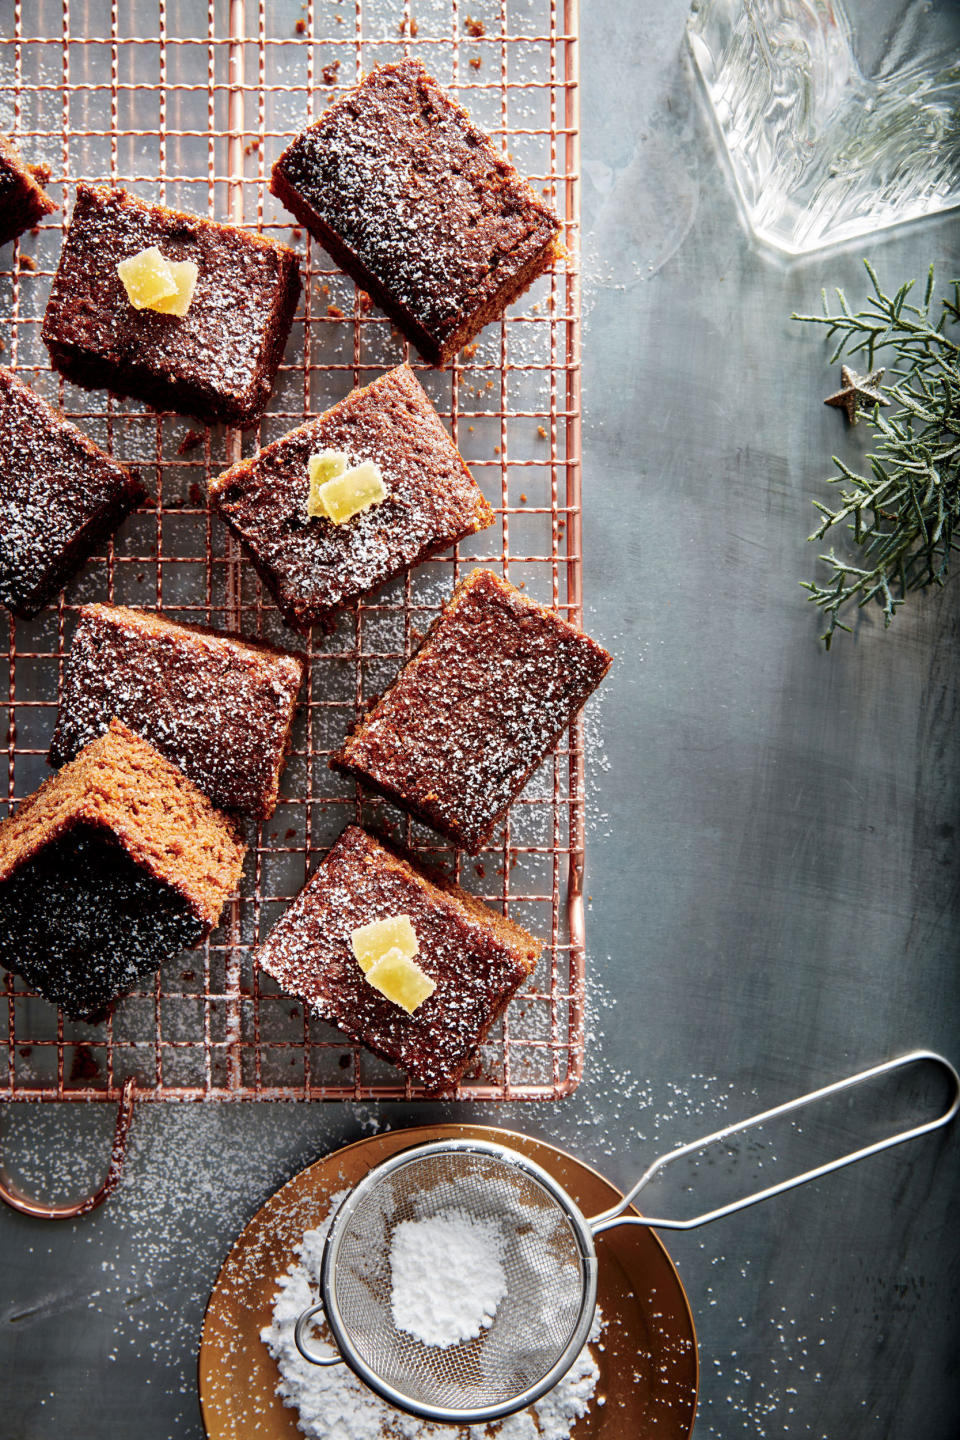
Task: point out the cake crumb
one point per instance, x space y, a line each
27 262
84 1065
364 302
474 28
475 62
301 26
523 498
190 441
330 72
335 312
541 432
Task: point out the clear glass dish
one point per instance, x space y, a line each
839 119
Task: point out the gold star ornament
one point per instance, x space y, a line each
857 392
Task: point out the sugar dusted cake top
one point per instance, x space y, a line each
314 566
59 494
414 200
473 713
217 361
477 958
215 704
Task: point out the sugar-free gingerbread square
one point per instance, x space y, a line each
218 361
218 706
60 496
476 958
475 710
114 865
313 566
415 203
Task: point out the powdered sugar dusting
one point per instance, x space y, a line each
58 494
218 361
476 958
313 566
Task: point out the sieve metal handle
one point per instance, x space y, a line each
300 1340
615 1216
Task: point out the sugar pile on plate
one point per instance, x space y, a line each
332 1404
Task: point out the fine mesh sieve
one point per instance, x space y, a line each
546 1251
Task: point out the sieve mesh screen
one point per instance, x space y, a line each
540 1255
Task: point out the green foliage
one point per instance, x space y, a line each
904 516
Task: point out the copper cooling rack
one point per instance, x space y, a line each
190 105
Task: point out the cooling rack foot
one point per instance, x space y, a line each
41 1211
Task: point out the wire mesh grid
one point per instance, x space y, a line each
190 105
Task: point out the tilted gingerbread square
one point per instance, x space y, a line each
114 865
220 707
60 495
414 202
314 566
476 958
475 710
219 360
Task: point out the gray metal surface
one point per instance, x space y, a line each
772 862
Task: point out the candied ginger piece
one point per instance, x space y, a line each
400 980
355 490
323 467
371 942
185 274
153 282
147 277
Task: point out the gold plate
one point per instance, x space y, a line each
648 1364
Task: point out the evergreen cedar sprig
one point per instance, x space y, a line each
904 515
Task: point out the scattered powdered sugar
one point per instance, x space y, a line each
333 1404
447 1277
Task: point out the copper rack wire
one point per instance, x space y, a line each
133 93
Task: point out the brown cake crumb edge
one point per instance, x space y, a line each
29 207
